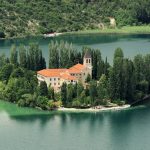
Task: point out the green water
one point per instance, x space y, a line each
28 129
107 43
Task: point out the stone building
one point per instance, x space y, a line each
77 73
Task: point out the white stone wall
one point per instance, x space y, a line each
54 82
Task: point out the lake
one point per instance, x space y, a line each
107 43
29 129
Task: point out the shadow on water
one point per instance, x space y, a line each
79 39
116 119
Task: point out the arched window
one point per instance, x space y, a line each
89 60
86 60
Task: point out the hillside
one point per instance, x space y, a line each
26 17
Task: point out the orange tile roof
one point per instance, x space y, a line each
67 76
76 68
64 73
51 72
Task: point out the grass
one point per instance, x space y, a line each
144 29
124 30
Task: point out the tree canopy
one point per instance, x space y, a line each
25 17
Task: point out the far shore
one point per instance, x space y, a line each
94 109
143 29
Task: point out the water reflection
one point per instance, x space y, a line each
79 39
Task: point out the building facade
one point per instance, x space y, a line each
77 73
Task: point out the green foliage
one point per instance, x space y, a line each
116 76
64 94
17 73
5 72
42 102
102 88
63 55
23 18
124 82
43 90
14 56
93 90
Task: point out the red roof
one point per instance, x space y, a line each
76 68
67 76
51 72
62 73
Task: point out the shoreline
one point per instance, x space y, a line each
102 109
126 30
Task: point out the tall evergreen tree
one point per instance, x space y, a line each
43 90
64 94
22 56
116 76
14 55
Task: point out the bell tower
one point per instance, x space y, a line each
87 62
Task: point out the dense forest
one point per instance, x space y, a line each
31 17
124 82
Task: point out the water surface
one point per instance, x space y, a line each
107 43
28 129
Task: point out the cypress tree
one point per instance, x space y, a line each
64 94
43 90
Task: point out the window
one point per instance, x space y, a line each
58 83
54 79
89 60
50 79
71 80
86 60
54 83
58 78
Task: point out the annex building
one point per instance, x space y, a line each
77 73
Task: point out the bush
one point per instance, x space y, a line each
2 34
76 103
21 103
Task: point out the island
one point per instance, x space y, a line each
72 78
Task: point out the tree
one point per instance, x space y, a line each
3 60
17 73
80 89
70 93
43 90
2 34
88 79
102 88
139 68
129 81
5 72
42 102
51 93
13 55
53 55
22 56
116 76
64 94
93 91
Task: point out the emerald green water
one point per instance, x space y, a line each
107 43
28 129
